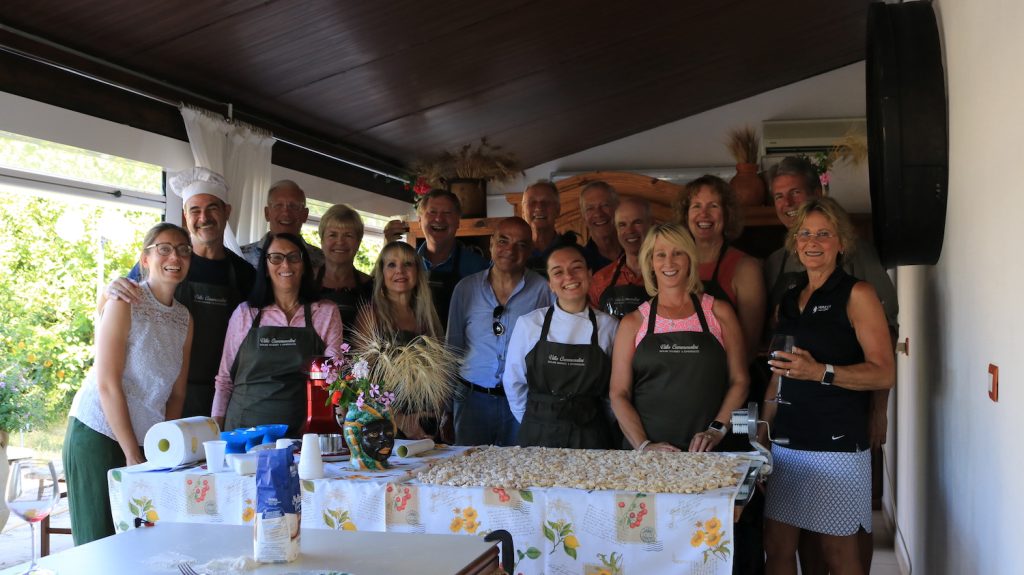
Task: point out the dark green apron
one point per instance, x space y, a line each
679 380
566 384
269 375
211 307
620 300
442 284
348 300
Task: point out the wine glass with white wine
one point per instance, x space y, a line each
32 493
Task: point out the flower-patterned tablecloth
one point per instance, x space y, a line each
556 531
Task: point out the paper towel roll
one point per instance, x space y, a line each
410 447
174 443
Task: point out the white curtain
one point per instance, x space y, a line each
241 153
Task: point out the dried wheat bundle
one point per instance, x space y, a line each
483 161
743 145
422 374
852 148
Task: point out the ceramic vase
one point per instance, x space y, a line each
748 185
472 194
370 436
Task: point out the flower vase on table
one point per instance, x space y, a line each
370 436
384 378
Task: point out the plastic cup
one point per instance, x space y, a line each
215 455
311 465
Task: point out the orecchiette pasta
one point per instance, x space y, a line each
649 471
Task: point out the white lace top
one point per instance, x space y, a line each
152 363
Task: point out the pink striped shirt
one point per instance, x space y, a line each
326 322
692 323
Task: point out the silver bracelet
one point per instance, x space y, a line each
643 445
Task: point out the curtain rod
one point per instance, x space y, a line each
120 86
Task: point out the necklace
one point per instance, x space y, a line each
289 310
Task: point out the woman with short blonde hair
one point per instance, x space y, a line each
678 363
841 353
341 233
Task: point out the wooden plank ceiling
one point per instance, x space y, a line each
405 78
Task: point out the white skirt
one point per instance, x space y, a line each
822 491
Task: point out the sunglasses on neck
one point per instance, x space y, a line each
497 327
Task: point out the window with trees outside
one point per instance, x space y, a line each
71 220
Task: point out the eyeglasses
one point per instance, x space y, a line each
278 258
165 249
497 326
804 235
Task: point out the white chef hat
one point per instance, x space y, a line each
189 183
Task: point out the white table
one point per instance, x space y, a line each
359 553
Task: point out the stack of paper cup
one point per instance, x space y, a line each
311 464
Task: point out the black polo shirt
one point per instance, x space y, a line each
822 417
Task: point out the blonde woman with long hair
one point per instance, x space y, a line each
401 309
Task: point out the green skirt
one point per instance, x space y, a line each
88 455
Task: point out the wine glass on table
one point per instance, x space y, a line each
32 493
786 343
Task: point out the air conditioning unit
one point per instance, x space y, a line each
804 137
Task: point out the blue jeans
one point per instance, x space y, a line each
482 419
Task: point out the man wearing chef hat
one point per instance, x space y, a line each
285 212
217 281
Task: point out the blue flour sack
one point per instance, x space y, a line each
278 507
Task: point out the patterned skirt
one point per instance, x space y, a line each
822 491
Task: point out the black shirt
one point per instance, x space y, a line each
822 417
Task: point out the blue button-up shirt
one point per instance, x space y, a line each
470 262
471 318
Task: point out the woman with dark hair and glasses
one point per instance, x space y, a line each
138 380
271 338
559 362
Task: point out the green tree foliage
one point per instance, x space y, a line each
53 258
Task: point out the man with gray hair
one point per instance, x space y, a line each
598 201
286 211
217 281
447 260
618 288
540 208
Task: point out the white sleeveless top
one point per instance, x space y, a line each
152 363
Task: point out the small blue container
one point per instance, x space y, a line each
271 433
238 439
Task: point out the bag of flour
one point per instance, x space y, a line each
278 507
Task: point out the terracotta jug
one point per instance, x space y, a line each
748 185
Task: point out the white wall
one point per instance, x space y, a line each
698 141
38 120
959 496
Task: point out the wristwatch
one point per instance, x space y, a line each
830 374
717 426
